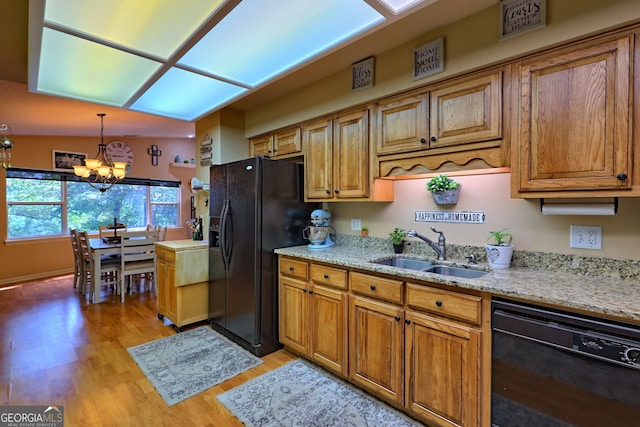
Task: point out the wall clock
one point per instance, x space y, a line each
118 151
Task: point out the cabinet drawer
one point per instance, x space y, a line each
445 303
335 277
294 268
164 253
377 287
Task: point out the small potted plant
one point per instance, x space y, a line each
397 238
364 231
499 248
445 191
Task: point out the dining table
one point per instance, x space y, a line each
100 247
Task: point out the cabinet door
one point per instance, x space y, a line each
351 155
261 146
403 124
468 111
574 120
162 283
376 350
294 314
328 328
318 166
442 371
286 142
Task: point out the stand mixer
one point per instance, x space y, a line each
319 234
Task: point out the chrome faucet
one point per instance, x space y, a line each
440 248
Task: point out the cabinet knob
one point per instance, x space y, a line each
326 276
304 290
327 191
407 321
439 303
336 191
621 176
433 139
310 292
397 318
290 268
372 287
423 141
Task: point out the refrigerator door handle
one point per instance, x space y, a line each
223 234
228 240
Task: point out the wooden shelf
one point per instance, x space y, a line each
183 165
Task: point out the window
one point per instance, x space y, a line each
42 204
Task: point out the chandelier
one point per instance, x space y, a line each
5 148
99 172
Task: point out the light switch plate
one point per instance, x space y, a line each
586 236
356 224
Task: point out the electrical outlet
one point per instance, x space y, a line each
586 236
356 224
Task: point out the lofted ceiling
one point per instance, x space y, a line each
54 113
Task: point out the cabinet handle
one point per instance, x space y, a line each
621 176
433 139
290 268
423 141
397 318
372 287
327 191
304 290
407 321
310 291
439 303
326 276
336 191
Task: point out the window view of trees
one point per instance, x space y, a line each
39 208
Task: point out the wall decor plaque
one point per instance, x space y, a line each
520 16
363 73
470 217
428 59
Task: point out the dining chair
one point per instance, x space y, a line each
108 265
77 268
137 256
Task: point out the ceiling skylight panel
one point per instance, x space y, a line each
184 95
156 27
77 68
260 39
399 5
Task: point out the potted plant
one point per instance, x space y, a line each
397 238
445 191
364 231
499 248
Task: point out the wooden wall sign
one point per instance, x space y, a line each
520 16
363 73
428 59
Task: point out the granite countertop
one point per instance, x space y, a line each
614 297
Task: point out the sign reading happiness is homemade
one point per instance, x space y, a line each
472 217
428 59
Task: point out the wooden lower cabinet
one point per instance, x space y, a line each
415 346
442 368
313 314
182 274
376 359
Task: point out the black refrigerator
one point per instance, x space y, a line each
255 205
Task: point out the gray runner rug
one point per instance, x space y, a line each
183 365
302 394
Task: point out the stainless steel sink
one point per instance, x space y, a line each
431 267
446 270
408 263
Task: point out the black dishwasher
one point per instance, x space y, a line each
557 368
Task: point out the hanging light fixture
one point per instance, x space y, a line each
5 148
99 172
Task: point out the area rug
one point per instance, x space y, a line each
183 365
302 394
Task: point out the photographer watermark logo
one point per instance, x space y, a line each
31 416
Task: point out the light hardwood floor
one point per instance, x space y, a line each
58 349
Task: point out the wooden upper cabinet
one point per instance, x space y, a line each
281 144
403 124
467 111
574 120
337 157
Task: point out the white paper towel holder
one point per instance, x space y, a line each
579 207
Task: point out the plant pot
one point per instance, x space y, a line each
449 197
398 247
364 233
499 256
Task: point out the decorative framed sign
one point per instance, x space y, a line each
363 73
206 149
428 59
470 217
206 141
65 160
520 16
